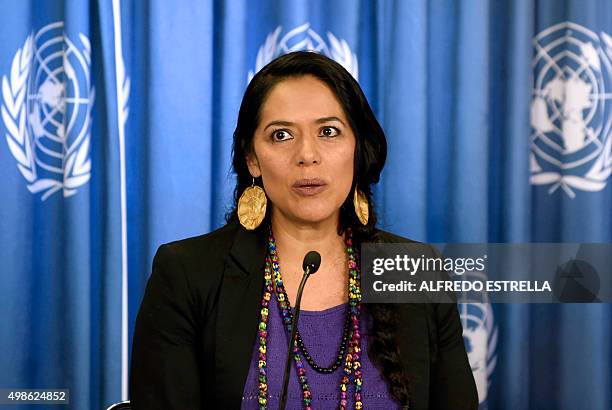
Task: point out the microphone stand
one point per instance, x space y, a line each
294 322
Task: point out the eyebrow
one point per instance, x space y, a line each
317 121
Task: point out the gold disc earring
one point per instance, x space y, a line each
360 202
252 206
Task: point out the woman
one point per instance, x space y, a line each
212 331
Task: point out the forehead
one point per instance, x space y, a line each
305 97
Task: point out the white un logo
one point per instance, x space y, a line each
571 113
46 107
305 38
480 338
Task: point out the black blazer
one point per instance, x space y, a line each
198 321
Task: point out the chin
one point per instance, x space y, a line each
310 212
314 216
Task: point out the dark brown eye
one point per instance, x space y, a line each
280 135
330 131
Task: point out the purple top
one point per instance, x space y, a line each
321 332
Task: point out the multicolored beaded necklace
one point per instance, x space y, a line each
352 364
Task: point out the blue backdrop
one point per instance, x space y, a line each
117 121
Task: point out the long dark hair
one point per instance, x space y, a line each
370 156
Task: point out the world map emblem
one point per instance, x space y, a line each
480 335
571 110
480 339
47 101
304 38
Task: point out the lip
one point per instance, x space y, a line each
309 186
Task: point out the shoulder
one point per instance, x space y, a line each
213 243
196 262
187 271
423 248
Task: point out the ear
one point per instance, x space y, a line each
253 164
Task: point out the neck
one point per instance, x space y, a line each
295 239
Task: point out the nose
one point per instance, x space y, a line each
307 151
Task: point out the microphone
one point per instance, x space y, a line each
311 264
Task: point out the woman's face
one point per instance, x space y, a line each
303 150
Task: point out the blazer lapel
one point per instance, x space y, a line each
238 315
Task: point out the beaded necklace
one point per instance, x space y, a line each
352 363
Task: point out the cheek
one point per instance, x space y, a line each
273 168
345 163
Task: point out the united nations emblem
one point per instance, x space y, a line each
571 111
480 339
305 38
47 101
479 334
